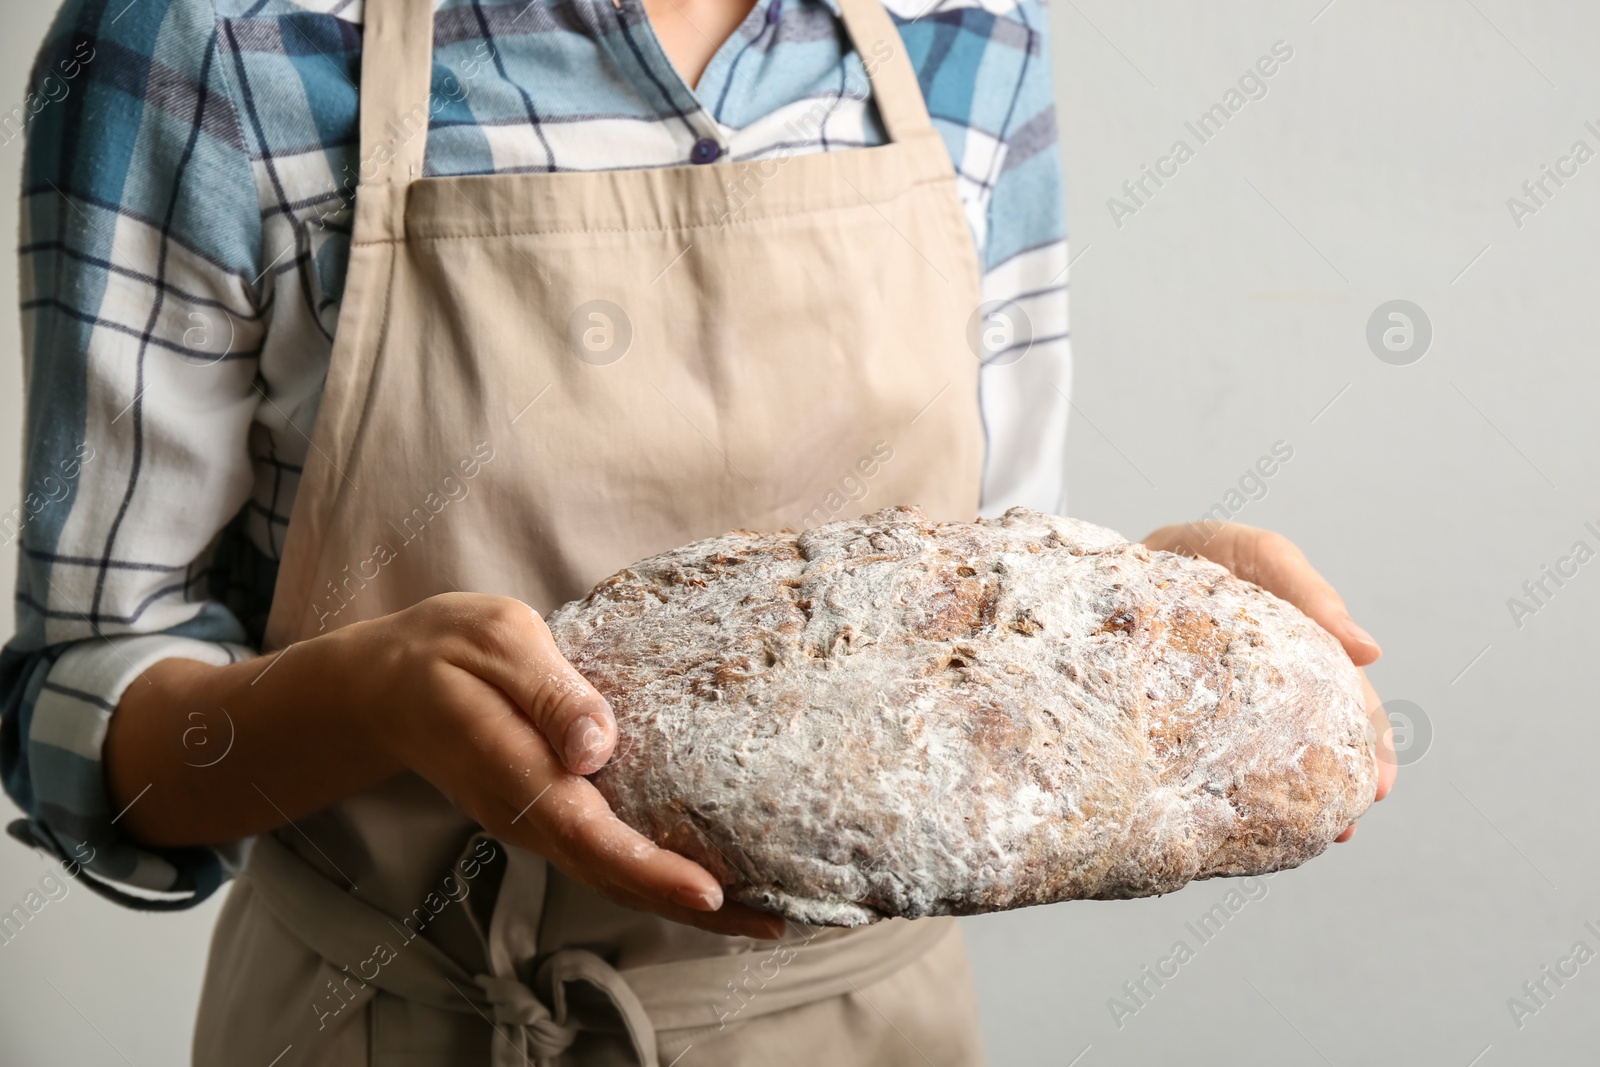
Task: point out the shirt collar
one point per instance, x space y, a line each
831 5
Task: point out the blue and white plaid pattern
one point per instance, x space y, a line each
186 226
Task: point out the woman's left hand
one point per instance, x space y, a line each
1272 561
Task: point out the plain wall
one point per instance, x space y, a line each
1227 313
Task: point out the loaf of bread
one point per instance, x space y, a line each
890 716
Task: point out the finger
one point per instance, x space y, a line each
1276 564
1185 539
1349 832
732 919
513 784
597 848
517 654
1388 763
608 855
501 772
696 900
571 713
1360 646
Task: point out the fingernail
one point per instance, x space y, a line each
698 899
586 740
1359 634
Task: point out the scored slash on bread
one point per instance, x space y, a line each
888 716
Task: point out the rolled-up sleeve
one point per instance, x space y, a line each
140 238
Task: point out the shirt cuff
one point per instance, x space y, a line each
72 812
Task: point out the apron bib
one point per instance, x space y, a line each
536 380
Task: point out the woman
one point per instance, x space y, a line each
363 333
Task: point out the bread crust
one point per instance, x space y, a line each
888 716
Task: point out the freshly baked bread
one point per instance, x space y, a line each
891 716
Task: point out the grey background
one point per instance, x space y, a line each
1224 316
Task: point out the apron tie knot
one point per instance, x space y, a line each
516 1005
547 1027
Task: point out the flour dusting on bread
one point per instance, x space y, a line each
890 716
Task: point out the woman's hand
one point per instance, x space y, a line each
488 711
468 691
1272 561
475 697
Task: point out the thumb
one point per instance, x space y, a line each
1318 600
522 660
1275 563
570 712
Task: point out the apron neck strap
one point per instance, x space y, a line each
895 88
397 79
396 89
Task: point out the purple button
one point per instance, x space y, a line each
705 150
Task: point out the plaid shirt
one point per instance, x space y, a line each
185 231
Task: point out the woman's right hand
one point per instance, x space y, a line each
466 690
470 692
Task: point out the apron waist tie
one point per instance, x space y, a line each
515 1005
545 1032
675 995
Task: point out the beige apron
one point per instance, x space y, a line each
536 380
